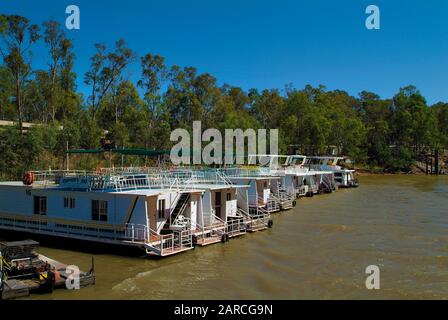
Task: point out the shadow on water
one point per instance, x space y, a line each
62 243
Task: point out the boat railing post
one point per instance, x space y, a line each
161 244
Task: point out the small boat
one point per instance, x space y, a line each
23 271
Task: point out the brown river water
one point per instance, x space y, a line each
318 250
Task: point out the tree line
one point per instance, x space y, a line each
387 133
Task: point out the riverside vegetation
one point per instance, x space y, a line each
385 133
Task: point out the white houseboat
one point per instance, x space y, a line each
297 178
345 178
159 213
265 190
216 184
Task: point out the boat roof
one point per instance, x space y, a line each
211 186
12 183
255 178
4 245
155 192
321 172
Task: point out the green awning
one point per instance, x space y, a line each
135 152
141 152
82 151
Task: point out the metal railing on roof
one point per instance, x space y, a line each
126 179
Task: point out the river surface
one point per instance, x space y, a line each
318 250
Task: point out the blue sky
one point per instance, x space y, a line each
269 44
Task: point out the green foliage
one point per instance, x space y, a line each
17 36
387 133
105 71
441 113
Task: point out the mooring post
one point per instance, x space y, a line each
436 160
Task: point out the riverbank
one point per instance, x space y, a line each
414 170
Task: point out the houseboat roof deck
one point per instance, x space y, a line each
158 180
260 178
250 172
312 172
12 183
155 192
205 186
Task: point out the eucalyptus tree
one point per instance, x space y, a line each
441 112
18 34
376 114
60 54
154 76
6 91
106 69
413 123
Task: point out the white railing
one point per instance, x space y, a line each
132 233
53 177
300 191
235 226
138 233
134 178
248 172
259 217
173 242
208 231
191 177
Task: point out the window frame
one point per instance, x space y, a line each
100 210
40 205
69 203
161 207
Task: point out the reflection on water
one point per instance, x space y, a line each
318 250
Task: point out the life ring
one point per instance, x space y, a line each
28 178
270 223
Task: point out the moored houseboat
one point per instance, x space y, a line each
344 178
265 190
296 178
161 213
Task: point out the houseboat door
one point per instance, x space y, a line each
218 204
151 205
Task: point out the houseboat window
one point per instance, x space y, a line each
161 209
99 210
229 196
40 205
69 203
